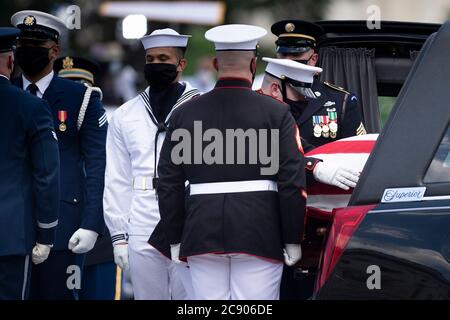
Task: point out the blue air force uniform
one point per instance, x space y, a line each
99 270
82 157
29 180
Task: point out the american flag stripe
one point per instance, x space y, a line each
328 202
346 146
351 152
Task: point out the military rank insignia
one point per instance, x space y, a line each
361 130
62 117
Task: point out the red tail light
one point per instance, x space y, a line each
345 222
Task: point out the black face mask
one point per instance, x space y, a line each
32 60
160 75
304 61
296 107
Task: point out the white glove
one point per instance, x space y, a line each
175 253
336 175
40 253
292 254
121 255
82 241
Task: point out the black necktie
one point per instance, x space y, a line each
32 88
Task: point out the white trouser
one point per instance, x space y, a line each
235 277
184 274
154 277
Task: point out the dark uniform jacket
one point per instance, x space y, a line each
332 101
82 157
310 163
29 172
258 222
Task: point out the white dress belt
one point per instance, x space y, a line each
233 187
143 183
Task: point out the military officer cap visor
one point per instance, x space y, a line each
235 37
165 38
38 26
8 37
296 75
296 36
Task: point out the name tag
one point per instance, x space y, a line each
403 194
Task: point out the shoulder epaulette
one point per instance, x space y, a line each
336 87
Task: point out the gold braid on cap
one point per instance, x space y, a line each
298 35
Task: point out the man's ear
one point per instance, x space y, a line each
11 62
54 52
216 64
314 59
182 65
275 91
253 65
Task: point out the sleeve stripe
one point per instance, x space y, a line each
102 120
102 117
118 237
47 225
100 124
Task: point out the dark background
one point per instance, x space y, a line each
98 37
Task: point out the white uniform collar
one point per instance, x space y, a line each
42 84
187 87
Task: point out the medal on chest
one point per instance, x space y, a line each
325 128
62 117
317 128
333 125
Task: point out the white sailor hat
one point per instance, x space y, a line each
165 38
297 75
37 25
235 37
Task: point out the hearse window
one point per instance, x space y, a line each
439 170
